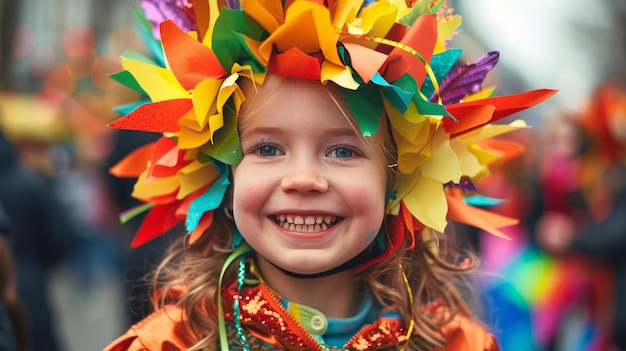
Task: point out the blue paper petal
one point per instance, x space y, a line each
441 65
482 201
210 200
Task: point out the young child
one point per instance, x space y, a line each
315 151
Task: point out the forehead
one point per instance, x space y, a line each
300 100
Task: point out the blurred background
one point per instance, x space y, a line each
555 287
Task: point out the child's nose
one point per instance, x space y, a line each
304 177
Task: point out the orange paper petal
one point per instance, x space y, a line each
134 163
366 62
190 61
459 211
506 150
203 225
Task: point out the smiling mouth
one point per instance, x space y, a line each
305 223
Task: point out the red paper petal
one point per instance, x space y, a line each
167 159
189 59
159 117
507 105
158 220
162 199
296 63
421 37
468 117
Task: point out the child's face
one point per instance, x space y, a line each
304 163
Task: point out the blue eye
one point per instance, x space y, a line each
268 151
341 152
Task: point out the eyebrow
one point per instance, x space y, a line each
332 132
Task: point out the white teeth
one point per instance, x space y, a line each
305 224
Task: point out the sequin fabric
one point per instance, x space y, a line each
268 326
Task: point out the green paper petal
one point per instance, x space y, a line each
227 148
367 107
126 78
228 44
441 65
428 108
399 97
134 212
418 9
145 31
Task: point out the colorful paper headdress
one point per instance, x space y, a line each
391 59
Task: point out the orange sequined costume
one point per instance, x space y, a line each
164 330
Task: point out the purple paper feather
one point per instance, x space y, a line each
466 79
466 184
158 11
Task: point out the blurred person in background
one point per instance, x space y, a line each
571 313
13 328
42 235
602 237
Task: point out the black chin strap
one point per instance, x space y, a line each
366 255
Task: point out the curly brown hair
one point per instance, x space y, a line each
190 273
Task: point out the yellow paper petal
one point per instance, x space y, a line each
342 75
411 156
307 26
468 162
427 202
203 98
159 83
345 11
445 30
444 165
191 138
490 131
159 187
377 19
482 94
194 176
190 121
265 13
410 124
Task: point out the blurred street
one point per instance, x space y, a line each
89 315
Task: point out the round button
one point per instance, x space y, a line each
318 323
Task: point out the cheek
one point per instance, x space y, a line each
249 193
367 196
